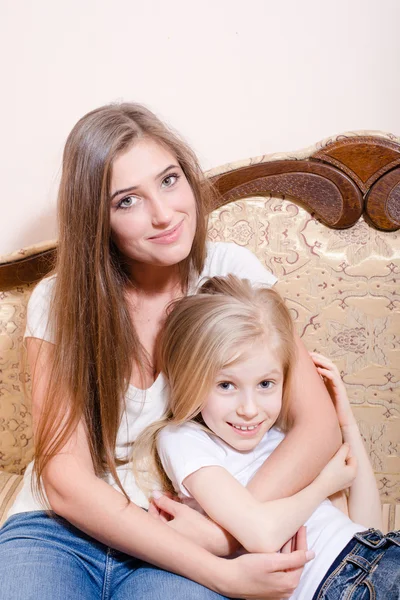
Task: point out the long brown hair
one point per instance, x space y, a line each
203 334
95 341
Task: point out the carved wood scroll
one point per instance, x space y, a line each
338 183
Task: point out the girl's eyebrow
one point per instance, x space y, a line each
134 187
228 375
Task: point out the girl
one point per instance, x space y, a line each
228 354
132 220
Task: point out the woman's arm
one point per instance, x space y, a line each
258 526
364 486
311 442
77 494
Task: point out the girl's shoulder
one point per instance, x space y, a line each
188 437
184 430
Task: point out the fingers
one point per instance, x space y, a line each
159 514
351 461
322 361
165 504
294 560
300 544
165 517
297 542
326 374
288 547
301 539
320 358
343 452
153 511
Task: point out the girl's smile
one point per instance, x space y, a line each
246 398
246 430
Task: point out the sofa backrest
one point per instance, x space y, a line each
326 221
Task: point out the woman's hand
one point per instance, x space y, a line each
193 525
271 576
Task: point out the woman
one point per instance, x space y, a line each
132 206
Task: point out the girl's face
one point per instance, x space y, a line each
153 209
246 398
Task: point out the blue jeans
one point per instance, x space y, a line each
44 558
367 569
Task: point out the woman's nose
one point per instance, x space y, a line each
161 214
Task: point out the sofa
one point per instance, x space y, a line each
326 221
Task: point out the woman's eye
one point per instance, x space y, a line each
265 385
225 385
127 202
169 180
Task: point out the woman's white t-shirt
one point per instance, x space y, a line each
142 407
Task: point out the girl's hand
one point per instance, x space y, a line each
339 473
336 388
193 525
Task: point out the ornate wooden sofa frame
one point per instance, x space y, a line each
326 221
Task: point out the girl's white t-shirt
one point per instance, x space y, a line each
185 449
142 407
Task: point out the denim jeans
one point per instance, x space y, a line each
44 558
367 569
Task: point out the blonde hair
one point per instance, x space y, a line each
203 334
95 341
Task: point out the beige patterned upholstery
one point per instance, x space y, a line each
16 438
342 287
9 488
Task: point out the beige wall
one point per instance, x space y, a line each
278 77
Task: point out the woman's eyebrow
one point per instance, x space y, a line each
134 187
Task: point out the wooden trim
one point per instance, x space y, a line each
383 202
334 183
322 189
364 158
26 270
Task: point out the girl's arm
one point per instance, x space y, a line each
367 513
77 494
264 527
310 443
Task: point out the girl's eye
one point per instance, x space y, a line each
169 180
225 385
265 385
127 202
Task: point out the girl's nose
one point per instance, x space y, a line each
247 407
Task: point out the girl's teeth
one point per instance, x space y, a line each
243 428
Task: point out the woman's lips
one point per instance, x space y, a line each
168 237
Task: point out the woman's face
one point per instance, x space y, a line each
153 208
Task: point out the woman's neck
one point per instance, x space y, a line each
150 280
